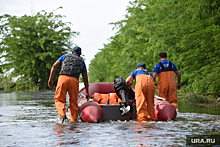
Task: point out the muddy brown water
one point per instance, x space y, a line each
28 119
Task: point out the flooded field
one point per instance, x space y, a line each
29 119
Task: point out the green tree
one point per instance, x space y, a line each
31 44
187 30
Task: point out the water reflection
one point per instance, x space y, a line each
143 136
141 128
192 108
65 134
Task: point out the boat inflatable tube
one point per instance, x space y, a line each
163 110
91 112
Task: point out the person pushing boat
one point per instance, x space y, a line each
167 87
144 92
72 66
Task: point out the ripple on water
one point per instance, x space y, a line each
31 120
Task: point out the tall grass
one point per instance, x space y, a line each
194 98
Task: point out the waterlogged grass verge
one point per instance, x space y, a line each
194 98
201 100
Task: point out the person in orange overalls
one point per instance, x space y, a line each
167 87
72 65
144 92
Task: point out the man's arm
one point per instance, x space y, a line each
86 83
52 72
129 80
154 75
179 79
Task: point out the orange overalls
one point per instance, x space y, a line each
144 94
167 87
71 85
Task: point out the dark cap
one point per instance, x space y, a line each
77 49
141 65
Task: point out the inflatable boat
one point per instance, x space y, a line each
96 111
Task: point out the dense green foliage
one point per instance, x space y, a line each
188 30
29 46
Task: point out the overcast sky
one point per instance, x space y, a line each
89 17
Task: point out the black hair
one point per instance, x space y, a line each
163 54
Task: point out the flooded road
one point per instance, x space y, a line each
29 119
